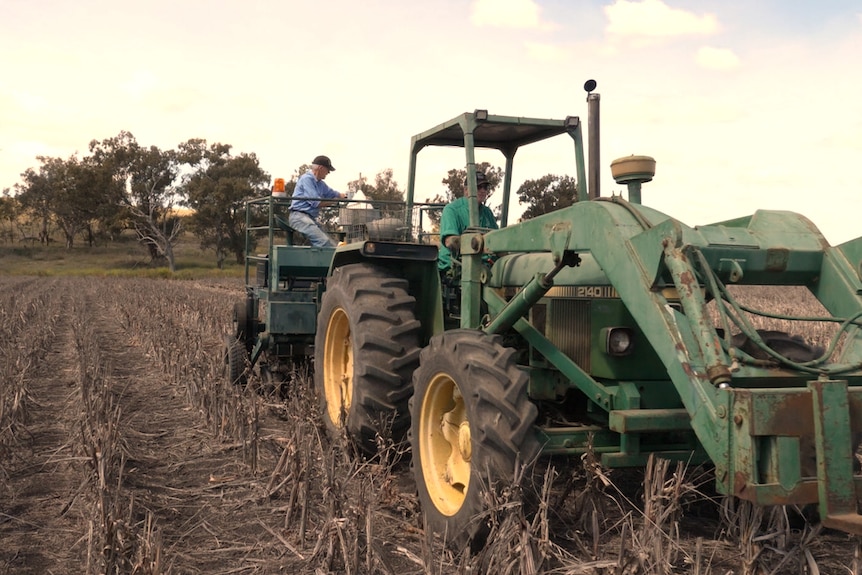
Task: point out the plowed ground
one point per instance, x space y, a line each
122 450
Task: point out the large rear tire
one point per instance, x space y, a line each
471 425
236 359
365 351
245 322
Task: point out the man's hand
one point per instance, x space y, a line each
454 244
330 203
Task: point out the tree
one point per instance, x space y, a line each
97 197
385 187
9 210
72 193
152 180
384 190
547 194
36 198
82 195
145 179
216 190
70 212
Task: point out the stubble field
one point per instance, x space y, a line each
123 450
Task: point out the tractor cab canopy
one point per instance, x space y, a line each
507 134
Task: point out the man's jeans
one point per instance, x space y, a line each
305 224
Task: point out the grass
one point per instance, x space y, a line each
124 257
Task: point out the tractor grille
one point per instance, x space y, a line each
567 325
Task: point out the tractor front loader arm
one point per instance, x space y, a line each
778 431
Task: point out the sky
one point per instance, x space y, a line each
744 105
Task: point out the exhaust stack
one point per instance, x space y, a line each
594 161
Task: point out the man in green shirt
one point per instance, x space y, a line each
456 219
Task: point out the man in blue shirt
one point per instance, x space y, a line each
308 195
456 218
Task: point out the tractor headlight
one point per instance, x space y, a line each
619 341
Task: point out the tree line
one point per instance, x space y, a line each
122 185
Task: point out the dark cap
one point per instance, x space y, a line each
323 161
480 179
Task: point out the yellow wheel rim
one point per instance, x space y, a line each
445 444
338 366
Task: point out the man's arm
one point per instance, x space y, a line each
450 228
329 193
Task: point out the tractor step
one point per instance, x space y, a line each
643 420
848 522
688 456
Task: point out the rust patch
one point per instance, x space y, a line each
740 486
687 278
791 415
776 259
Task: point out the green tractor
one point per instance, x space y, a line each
604 326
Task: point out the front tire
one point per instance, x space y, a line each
471 425
365 351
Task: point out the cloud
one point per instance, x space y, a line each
26 102
716 58
655 19
140 84
506 14
545 52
